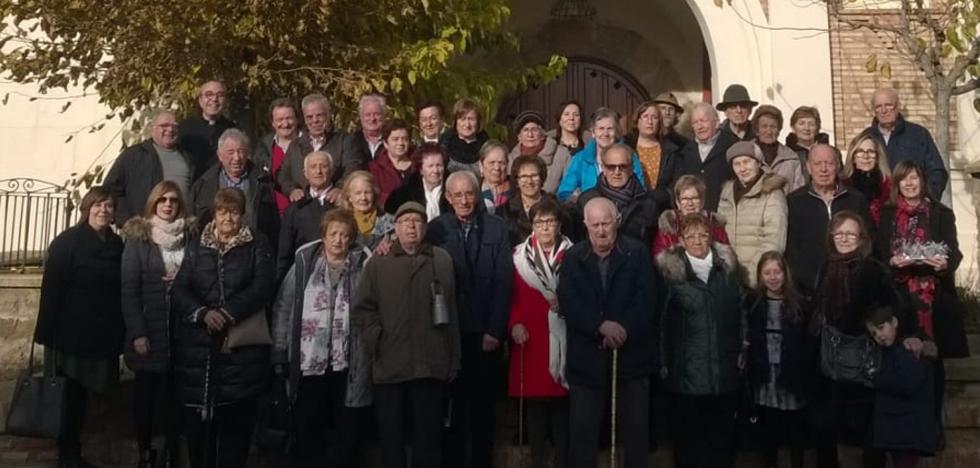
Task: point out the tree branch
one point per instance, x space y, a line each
964 88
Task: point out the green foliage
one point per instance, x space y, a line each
137 54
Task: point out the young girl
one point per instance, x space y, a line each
780 357
904 421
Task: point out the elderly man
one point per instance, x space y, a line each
199 133
371 111
904 140
737 106
482 257
282 145
236 170
710 162
617 183
670 113
141 167
320 136
415 351
810 209
301 224
606 294
431 123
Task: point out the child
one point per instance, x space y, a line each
780 357
904 421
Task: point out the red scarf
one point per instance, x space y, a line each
910 226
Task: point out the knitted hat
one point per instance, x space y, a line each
744 148
527 116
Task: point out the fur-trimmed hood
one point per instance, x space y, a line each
770 182
675 268
669 223
139 228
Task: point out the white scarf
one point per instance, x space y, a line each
432 200
540 271
169 237
701 266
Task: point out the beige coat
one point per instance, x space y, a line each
787 164
554 156
757 224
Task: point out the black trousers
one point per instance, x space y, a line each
782 427
229 436
843 413
586 409
474 396
76 410
704 427
155 393
547 417
419 402
321 421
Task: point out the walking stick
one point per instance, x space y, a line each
520 405
612 415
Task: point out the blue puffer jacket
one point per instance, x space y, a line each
582 173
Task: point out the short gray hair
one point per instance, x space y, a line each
600 202
464 174
706 108
372 97
605 113
313 154
316 98
233 134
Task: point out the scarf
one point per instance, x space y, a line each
534 150
540 271
701 266
169 235
624 195
868 183
325 331
739 190
769 151
461 151
910 226
834 289
365 222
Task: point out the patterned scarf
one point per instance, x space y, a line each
540 271
624 195
910 226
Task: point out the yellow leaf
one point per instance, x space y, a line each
871 64
886 71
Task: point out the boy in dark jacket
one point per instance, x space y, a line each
904 421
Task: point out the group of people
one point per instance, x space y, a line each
397 268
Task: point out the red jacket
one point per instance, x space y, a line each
385 174
668 227
529 307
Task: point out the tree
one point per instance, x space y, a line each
139 54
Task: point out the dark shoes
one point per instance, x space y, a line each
148 459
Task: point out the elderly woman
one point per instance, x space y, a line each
222 289
316 349
427 185
464 140
637 207
495 189
777 157
866 170
360 196
688 199
155 246
702 338
79 319
393 166
583 171
537 363
659 156
754 208
528 172
533 141
805 122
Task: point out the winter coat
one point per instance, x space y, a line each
909 141
862 182
726 127
668 235
414 190
519 225
794 144
288 321
671 167
869 284
344 159
787 164
484 270
583 172
387 177
757 223
638 220
261 214
904 410
799 349
199 139
132 177
806 232
146 296
363 149
947 310
300 225
555 158
702 324
244 271
297 150
393 315
715 169
529 308
80 311
627 299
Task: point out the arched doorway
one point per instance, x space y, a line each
591 81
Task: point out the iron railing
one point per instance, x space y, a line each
32 213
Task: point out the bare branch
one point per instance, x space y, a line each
967 87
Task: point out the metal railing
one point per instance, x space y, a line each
32 213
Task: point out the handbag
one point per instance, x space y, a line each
846 358
38 406
253 330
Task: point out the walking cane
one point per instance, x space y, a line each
520 406
612 415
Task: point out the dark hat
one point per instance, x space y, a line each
735 94
744 148
669 98
411 207
528 116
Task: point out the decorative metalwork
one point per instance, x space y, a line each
573 9
32 213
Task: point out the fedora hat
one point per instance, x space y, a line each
669 98
735 94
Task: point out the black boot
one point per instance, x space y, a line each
147 458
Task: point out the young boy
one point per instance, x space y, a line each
904 418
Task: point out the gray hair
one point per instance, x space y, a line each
600 203
316 98
621 147
464 174
605 113
313 154
491 145
704 107
233 134
372 97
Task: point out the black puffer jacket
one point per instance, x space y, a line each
246 267
146 297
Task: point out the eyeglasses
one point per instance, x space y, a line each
531 130
213 95
688 199
617 167
841 235
867 153
699 237
547 222
528 177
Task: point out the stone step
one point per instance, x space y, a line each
962 413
